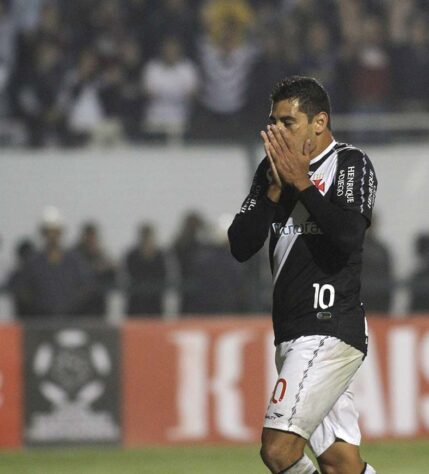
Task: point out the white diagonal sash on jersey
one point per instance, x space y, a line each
324 174
286 240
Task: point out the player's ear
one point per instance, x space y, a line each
320 122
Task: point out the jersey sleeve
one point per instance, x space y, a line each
258 188
251 225
356 184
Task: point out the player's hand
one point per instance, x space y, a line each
275 188
291 161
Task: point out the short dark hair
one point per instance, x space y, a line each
311 95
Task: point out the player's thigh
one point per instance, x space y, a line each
340 423
341 458
313 372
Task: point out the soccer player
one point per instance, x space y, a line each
314 197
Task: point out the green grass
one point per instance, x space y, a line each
388 458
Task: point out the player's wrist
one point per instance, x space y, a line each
303 184
274 192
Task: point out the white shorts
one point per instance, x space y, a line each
312 397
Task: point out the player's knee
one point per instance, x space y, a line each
278 455
273 455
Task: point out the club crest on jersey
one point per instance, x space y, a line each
318 181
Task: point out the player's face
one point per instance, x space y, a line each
286 113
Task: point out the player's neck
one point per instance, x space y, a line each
325 141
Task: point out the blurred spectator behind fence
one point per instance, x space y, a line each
377 277
188 243
147 275
226 56
419 281
218 280
90 249
55 282
170 83
24 252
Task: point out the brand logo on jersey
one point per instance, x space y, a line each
306 228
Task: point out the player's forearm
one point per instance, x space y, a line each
344 228
249 231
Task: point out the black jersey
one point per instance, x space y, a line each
315 249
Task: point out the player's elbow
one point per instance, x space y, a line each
350 242
352 234
244 241
239 253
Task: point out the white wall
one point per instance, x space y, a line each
402 204
119 188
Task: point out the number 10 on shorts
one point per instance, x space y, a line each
279 391
320 295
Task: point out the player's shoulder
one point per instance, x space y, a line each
345 151
350 155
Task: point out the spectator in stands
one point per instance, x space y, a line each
81 100
24 252
170 83
90 249
320 57
376 46
226 57
137 14
271 65
147 275
371 69
131 93
56 282
26 14
419 282
109 27
171 18
305 13
377 276
113 104
7 55
411 65
39 98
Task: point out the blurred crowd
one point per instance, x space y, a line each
83 71
52 280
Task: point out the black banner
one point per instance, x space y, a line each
72 384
